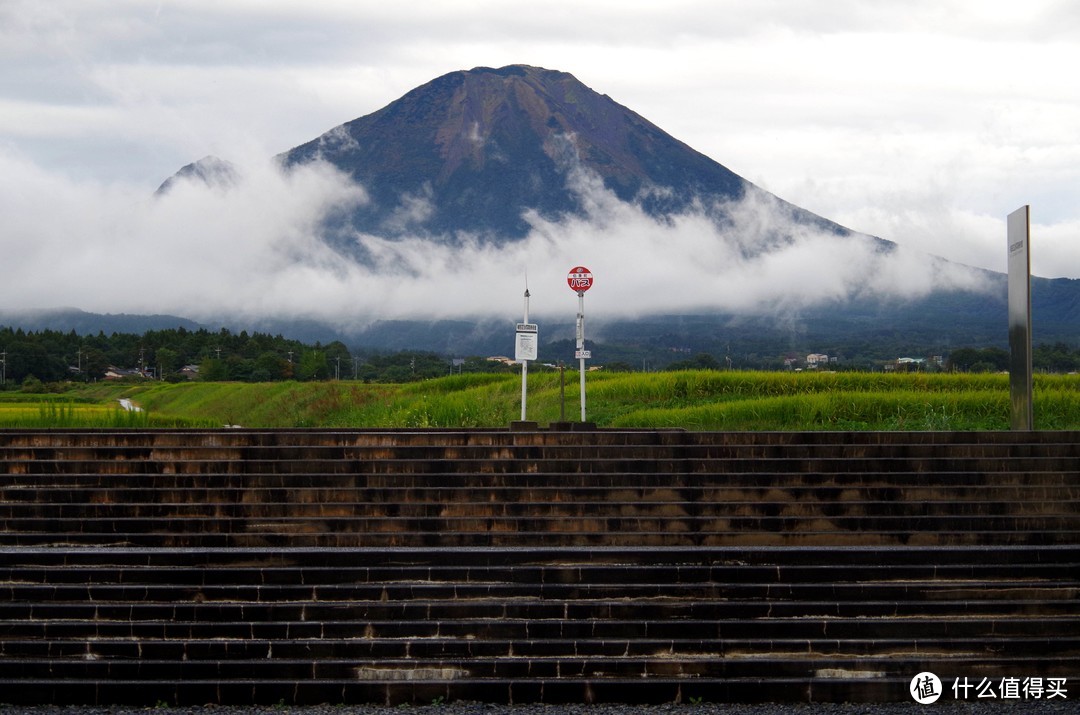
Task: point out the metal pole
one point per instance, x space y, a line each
562 392
524 363
581 347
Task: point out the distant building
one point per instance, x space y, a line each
908 364
815 359
119 373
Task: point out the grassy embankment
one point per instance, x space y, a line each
702 400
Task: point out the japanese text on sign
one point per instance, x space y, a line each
580 279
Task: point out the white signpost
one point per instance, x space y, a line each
580 279
525 350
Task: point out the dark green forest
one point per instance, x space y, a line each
49 356
181 354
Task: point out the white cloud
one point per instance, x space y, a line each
924 122
253 250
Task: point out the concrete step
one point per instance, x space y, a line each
302 537
525 507
524 608
157 590
210 450
566 562
498 437
707 664
916 632
195 649
553 532
623 464
867 486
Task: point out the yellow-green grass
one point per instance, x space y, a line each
699 400
71 415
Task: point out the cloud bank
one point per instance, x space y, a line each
924 122
253 250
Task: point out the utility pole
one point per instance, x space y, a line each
525 347
525 362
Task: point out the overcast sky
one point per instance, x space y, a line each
921 121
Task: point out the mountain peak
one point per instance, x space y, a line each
210 170
476 155
479 148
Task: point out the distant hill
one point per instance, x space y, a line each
84 323
864 331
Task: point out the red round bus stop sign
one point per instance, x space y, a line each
579 278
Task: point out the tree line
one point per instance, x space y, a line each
181 354
1056 358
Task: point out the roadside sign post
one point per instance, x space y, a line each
525 349
580 279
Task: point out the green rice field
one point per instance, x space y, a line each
696 400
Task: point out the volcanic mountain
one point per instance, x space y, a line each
474 152
481 158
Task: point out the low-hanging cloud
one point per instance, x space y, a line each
254 251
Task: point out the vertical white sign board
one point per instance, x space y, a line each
525 347
525 350
1020 318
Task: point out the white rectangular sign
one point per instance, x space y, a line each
583 354
525 346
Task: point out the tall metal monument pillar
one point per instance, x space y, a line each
1019 230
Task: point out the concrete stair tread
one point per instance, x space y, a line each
308 648
623 464
832 627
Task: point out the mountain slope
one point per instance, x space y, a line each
473 152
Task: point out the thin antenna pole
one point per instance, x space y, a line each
525 363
